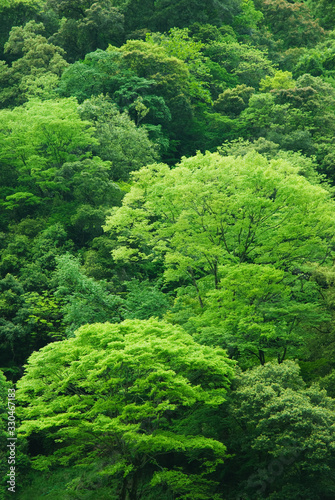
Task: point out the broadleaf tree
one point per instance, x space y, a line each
245 234
127 394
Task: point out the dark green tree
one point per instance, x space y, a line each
283 436
35 68
86 26
83 300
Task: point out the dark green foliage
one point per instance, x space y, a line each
15 13
324 10
86 26
35 68
83 300
284 432
145 301
120 142
233 101
291 22
163 14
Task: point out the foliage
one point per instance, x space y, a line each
83 300
145 301
87 26
15 13
298 118
36 68
233 229
292 19
233 246
163 15
124 392
281 80
37 138
127 147
247 63
233 101
284 432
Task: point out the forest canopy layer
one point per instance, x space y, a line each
167 238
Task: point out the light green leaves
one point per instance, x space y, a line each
44 134
123 392
211 211
246 233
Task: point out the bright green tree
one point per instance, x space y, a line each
211 215
133 397
281 80
36 139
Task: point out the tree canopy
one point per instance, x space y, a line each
140 386
245 233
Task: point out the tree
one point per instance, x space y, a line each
212 217
36 68
145 300
179 44
85 26
281 80
126 146
31 316
88 182
298 118
36 139
105 72
83 300
291 22
14 334
100 72
163 15
283 436
233 101
248 64
246 23
15 13
324 11
129 396
266 117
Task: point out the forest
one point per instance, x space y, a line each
167 249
